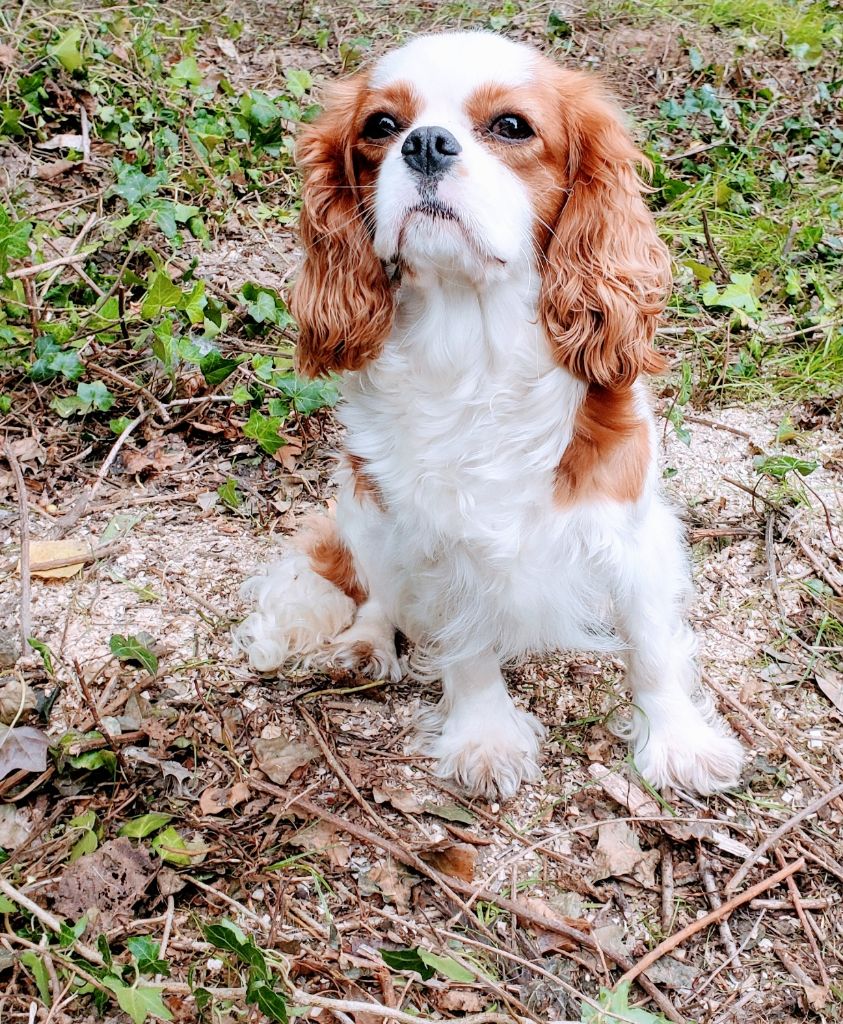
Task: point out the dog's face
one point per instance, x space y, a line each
448 130
466 158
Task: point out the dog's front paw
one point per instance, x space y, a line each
488 754
693 752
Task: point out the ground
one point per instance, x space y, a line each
182 838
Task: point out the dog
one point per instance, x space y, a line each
481 270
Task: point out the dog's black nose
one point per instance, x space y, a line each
430 150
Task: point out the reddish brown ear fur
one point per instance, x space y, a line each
607 273
342 298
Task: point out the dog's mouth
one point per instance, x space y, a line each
433 208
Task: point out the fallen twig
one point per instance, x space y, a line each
667 887
70 518
37 268
709 241
716 903
48 920
775 738
94 555
523 912
783 829
25 568
798 906
703 421
713 917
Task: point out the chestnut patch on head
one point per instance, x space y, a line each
343 300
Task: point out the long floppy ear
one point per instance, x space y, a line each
607 274
342 298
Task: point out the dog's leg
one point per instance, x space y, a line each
367 646
677 736
314 611
302 602
479 737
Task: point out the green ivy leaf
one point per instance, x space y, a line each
241 395
446 966
161 294
228 936
195 303
307 396
133 185
44 651
95 395
130 648
186 72
171 846
228 493
145 950
215 368
145 825
739 294
779 466
298 81
67 51
264 430
87 844
140 1001
271 1003
616 1003
118 424
29 958
408 960
7 906
92 760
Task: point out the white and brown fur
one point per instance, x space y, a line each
499 493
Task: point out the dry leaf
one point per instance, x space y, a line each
550 939
15 825
216 799
111 879
455 859
639 804
322 838
41 551
394 884
278 757
228 48
672 973
170 882
401 799
22 749
619 853
62 142
46 172
831 684
11 704
467 1000
28 449
169 769
8 55
159 454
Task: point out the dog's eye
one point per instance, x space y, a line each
511 127
380 126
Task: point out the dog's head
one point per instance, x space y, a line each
466 158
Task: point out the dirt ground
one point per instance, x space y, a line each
301 817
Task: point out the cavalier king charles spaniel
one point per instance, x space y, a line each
481 270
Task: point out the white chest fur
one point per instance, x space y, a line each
462 422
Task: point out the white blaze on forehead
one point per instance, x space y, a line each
448 68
